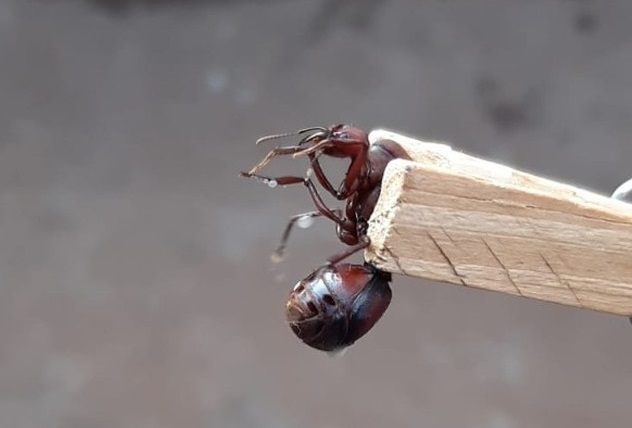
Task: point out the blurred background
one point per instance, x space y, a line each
136 288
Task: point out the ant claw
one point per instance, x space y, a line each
277 257
271 182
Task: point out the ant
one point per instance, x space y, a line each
337 303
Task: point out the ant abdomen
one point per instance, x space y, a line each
336 305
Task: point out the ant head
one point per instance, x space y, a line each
316 134
339 133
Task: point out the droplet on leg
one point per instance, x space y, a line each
305 222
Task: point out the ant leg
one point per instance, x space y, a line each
320 175
333 215
274 181
279 151
352 177
321 145
337 258
278 255
358 159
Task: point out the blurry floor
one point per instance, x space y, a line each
135 284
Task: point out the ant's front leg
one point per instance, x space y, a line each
320 175
337 258
278 151
353 176
334 215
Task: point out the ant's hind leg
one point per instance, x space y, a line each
337 258
279 254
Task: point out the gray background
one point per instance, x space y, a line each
135 284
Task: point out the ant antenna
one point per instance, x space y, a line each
313 128
320 130
274 137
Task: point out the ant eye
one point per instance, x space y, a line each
312 307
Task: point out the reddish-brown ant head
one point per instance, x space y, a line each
315 134
336 305
337 136
348 134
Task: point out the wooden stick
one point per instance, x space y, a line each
454 218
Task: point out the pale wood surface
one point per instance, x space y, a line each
454 218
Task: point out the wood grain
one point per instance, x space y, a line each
454 218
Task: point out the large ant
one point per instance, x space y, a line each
337 303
